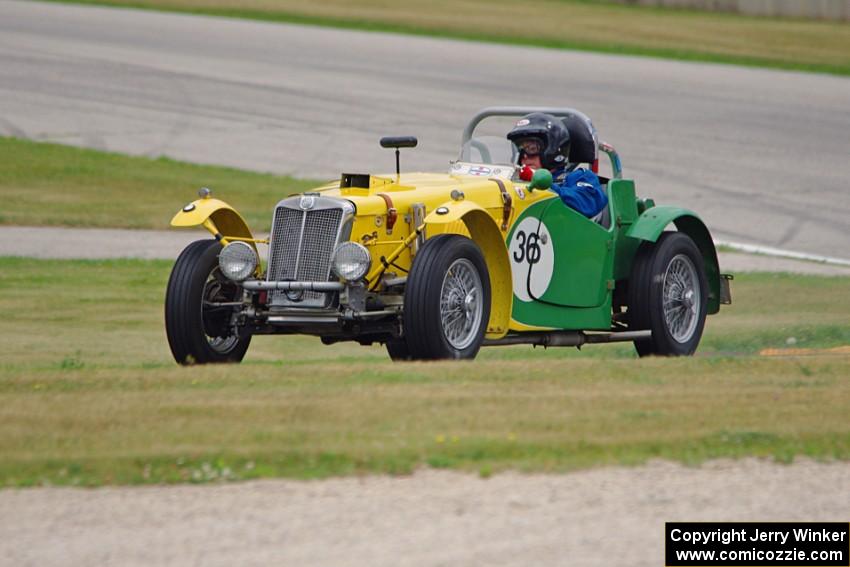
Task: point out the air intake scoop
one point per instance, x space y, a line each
359 180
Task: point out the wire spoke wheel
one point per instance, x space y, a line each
461 307
668 295
446 302
200 304
221 335
681 298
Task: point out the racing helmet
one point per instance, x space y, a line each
554 138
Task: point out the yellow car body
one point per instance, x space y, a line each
479 213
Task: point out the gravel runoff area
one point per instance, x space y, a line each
609 516
54 242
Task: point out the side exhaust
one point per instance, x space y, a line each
568 338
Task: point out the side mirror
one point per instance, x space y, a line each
542 179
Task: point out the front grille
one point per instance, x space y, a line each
283 253
302 243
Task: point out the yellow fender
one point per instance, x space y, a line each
485 232
216 216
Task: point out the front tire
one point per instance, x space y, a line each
447 300
668 294
397 349
197 332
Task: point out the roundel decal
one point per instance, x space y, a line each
532 259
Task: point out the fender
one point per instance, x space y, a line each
455 210
485 231
651 224
218 217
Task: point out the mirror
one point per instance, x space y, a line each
399 142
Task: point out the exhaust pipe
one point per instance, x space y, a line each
568 338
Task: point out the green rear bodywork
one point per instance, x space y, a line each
590 259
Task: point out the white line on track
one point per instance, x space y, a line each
780 253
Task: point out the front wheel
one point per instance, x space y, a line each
397 349
200 330
447 300
668 294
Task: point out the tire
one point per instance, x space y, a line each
198 334
397 349
672 268
447 300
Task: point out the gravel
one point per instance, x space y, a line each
609 516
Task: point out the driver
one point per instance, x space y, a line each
544 141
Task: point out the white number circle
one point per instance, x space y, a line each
531 251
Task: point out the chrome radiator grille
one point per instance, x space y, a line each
301 247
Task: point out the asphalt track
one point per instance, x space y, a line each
762 155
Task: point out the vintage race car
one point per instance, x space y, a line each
435 266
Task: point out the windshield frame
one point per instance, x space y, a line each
485 150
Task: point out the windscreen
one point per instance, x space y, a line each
489 144
489 150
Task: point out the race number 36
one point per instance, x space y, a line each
528 247
532 259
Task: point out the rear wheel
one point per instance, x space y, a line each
200 332
668 295
447 300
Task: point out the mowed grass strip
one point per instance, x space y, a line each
573 24
51 184
89 394
105 426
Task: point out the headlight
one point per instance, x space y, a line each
237 261
351 261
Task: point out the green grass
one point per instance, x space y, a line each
90 396
568 24
51 184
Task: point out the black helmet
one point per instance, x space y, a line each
550 131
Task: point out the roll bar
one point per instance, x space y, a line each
559 111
